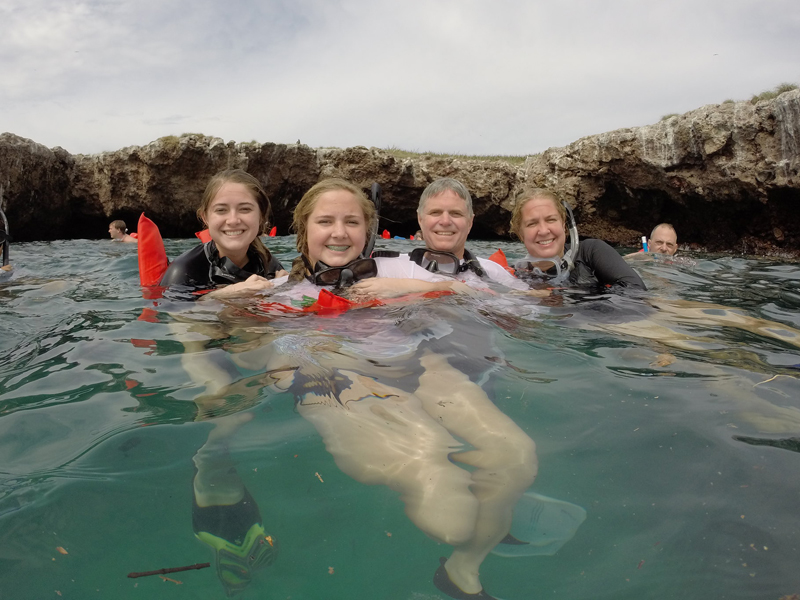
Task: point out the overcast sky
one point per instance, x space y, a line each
455 76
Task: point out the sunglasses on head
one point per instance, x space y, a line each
360 268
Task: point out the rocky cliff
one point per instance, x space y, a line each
727 176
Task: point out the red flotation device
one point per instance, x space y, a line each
204 236
153 261
500 258
385 235
329 304
273 232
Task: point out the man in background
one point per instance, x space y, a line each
663 240
119 232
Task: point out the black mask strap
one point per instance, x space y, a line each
223 270
471 263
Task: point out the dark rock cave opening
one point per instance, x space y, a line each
723 223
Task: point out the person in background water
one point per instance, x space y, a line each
119 232
236 211
539 219
663 240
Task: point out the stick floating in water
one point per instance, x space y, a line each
170 570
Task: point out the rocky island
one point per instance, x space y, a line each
726 175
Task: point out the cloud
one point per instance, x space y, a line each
466 76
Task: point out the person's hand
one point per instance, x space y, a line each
281 273
384 287
254 283
461 288
538 293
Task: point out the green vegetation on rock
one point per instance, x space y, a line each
773 93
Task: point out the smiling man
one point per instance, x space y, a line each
445 216
445 219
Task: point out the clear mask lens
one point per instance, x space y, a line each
436 262
362 268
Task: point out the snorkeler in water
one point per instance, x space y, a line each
541 221
445 218
236 211
663 240
119 232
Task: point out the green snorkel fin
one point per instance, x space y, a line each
236 562
375 196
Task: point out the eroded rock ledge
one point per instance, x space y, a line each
727 176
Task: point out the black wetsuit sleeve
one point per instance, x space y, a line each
273 267
606 265
190 269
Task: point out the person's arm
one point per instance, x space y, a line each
399 275
384 287
608 266
254 283
498 274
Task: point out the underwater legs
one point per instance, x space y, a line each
504 458
224 514
380 435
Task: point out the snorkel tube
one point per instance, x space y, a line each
4 237
569 255
375 196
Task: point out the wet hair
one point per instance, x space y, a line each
445 184
306 206
259 195
118 224
525 196
668 226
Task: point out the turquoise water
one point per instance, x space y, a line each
684 452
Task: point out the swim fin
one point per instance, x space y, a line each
540 526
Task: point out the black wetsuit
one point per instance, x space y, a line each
597 262
203 268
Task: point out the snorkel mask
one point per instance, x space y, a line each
362 267
446 263
355 270
554 270
223 270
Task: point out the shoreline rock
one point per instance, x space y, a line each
727 176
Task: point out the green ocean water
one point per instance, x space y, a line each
686 459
